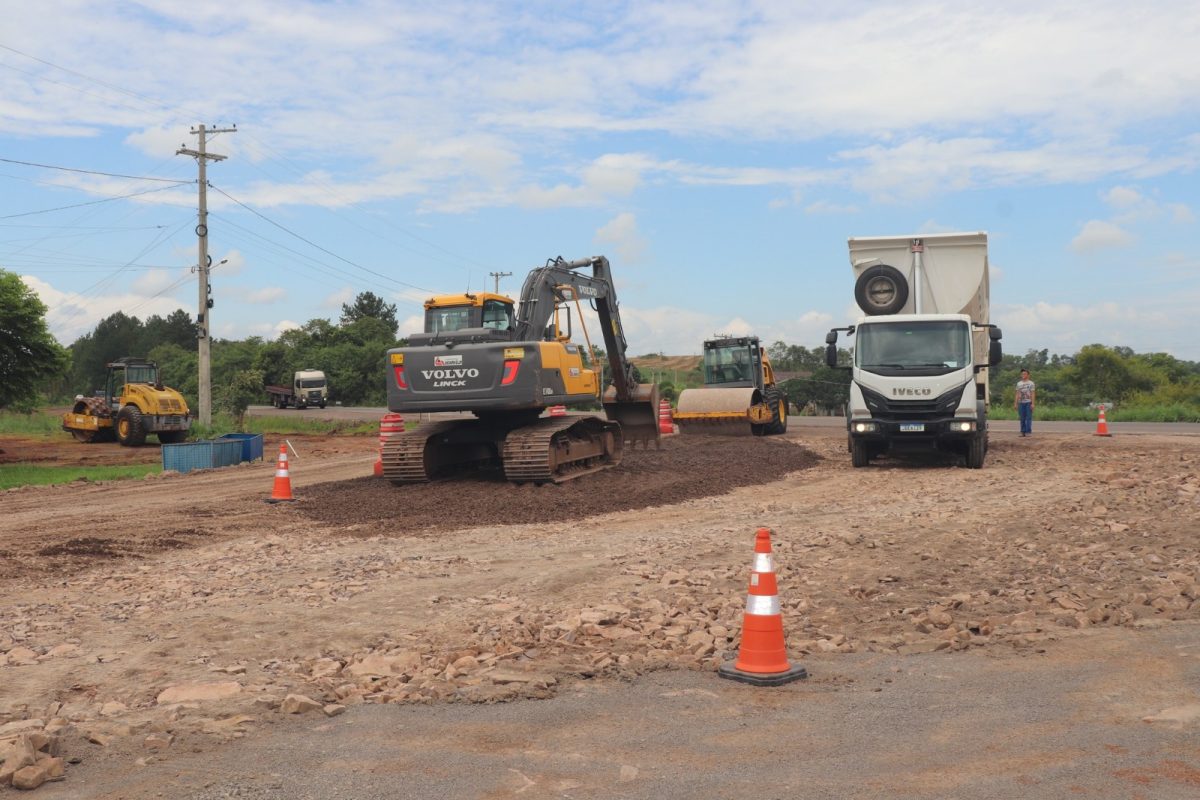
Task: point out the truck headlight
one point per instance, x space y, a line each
864 427
962 426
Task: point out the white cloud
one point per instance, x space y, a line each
825 207
263 296
621 232
285 325
1181 213
338 298
71 315
1100 235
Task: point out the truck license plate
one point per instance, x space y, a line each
912 427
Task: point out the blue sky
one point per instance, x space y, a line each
719 154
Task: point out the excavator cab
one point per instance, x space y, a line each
456 312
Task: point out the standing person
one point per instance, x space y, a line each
1023 402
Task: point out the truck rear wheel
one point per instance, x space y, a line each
860 454
881 290
131 431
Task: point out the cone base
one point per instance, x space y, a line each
792 673
280 500
1102 434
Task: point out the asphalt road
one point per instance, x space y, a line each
1068 721
1002 426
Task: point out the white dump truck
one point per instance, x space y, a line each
309 388
923 348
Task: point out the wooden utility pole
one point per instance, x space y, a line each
498 276
203 265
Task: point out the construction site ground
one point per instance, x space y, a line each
1029 629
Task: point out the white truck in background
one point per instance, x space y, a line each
309 388
921 352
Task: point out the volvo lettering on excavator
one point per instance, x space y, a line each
505 362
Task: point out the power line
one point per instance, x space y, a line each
89 203
311 243
91 171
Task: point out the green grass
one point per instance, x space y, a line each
33 424
1177 412
39 475
223 423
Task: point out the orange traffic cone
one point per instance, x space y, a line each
389 426
283 482
666 424
1102 424
762 657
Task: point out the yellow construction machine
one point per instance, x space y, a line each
505 364
739 396
132 404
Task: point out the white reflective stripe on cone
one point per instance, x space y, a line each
763 562
762 606
281 473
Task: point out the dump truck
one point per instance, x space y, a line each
132 404
739 396
504 363
921 352
309 388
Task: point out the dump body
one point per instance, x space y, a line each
921 353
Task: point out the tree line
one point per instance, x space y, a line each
35 369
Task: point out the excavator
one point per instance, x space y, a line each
505 363
740 396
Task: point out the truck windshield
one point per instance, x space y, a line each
728 364
312 383
932 345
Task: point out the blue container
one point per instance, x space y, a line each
252 445
205 454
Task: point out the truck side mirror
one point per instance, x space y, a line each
994 353
831 337
831 355
994 334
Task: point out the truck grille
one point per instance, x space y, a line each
937 408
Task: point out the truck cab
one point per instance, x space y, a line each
310 388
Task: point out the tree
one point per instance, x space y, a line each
30 358
367 304
242 389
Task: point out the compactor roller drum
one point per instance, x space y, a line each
718 411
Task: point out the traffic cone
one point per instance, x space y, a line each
665 423
389 426
1102 424
283 482
762 657
558 411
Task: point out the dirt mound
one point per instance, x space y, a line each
686 467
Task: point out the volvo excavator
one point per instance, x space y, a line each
506 363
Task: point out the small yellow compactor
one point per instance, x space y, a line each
739 396
132 404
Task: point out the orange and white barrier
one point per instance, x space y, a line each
558 411
1102 424
283 480
389 426
762 656
666 424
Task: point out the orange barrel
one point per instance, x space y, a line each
389 426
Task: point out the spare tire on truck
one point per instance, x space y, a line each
881 290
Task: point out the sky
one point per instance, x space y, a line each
719 154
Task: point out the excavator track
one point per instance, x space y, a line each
408 458
561 449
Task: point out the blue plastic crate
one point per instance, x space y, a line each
205 454
252 445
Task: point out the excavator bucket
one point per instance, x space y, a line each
729 412
639 416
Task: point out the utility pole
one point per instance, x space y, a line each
498 276
203 265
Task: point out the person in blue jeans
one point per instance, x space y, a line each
1023 402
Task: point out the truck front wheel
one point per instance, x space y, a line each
860 455
975 451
